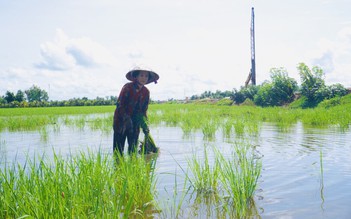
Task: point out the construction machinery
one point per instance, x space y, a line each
252 73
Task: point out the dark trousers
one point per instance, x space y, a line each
119 140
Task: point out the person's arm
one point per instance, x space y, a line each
144 108
123 99
121 113
145 104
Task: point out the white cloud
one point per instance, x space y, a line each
66 53
325 62
193 49
333 57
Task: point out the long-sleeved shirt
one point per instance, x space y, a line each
131 102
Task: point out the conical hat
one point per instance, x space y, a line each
153 77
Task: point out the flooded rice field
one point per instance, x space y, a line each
306 172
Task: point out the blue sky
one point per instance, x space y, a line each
85 48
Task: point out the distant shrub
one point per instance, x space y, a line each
225 102
330 102
344 100
298 103
239 96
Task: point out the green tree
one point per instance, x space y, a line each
2 101
265 95
9 97
279 91
283 86
244 93
337 90
19 96
312 83
36 94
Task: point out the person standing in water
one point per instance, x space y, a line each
132 104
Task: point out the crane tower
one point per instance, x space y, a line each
252 73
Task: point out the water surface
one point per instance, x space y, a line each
306 172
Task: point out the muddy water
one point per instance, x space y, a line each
306 171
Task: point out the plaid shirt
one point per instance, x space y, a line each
131 103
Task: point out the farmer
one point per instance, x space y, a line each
132 105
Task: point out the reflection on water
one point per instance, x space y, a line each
306 171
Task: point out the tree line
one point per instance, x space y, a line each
278 91
282 90
37 97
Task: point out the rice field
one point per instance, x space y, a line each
221 174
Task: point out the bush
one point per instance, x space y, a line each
264 96
225 102
244 93
278 92
330 102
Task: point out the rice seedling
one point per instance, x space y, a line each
239 174
67 121
25 123
209 129
84 186
204 175
239 127
43 134
137 178
189 117
172 118
186 126
253 127
80 122
227 128
37 111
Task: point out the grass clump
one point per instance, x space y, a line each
239 175
234 177
84 186
204 176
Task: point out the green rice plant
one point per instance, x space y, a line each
80 122
209 129
316 118
37 111
137 177
239 127
154 115
67 120
239 175
342 117
204 175
43 134
172 118
2 124
84 186
190 117
227 128
253 127
26 123
186 126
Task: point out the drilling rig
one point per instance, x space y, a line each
252 73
